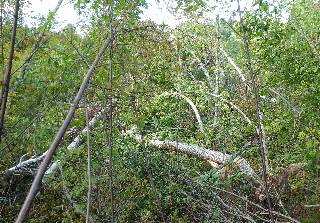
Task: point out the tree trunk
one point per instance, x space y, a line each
7 75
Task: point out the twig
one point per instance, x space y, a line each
89 163
110 141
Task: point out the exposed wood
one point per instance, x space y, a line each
31 165
27 166
204 154
231 61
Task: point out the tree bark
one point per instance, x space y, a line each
31 165
7 75
262 145
204 154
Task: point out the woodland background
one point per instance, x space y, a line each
215 120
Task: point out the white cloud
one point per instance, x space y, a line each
159 13
65 15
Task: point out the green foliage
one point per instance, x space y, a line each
149 63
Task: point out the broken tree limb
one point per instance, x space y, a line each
31 165
79 139
28 166
234 65
197 151
192 105
204 154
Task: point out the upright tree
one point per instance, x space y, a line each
7 74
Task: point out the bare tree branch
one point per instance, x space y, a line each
110 139
7 75
88 163
262 146
192 105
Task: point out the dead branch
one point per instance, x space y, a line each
192 105
255 89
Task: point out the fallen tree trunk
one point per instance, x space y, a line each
31 165
204 154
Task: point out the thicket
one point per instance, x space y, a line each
210 121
